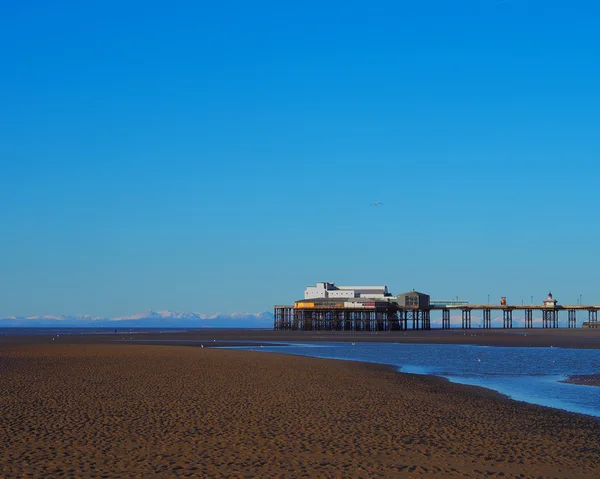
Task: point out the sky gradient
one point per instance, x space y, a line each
212 156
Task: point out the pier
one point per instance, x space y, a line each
550 315
377 310
393 318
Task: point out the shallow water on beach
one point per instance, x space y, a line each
531 375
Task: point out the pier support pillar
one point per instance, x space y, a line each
284 318
550 318
466 319
529 318
572 319
364 320
347 321
445 319
487 319
507 319
426 320
403 318
593 318
416 314
392 322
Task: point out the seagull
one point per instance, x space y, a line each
376 203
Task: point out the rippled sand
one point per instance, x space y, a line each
166 411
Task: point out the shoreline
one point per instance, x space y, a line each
578 338
593 379
588 380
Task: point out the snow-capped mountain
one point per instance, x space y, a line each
147 319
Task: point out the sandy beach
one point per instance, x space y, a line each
88 408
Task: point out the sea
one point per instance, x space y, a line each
532 375
38 331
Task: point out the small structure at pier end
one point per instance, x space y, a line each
550 302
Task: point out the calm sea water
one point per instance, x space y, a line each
91 330
532 375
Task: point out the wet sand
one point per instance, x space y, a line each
582 338
81 408
584 379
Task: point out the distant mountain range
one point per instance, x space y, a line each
145 319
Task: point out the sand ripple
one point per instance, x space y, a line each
161 411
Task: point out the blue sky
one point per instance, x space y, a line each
212 156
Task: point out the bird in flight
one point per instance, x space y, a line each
377 203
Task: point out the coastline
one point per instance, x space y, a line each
529 391
579 338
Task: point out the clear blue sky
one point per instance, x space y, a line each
220 156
